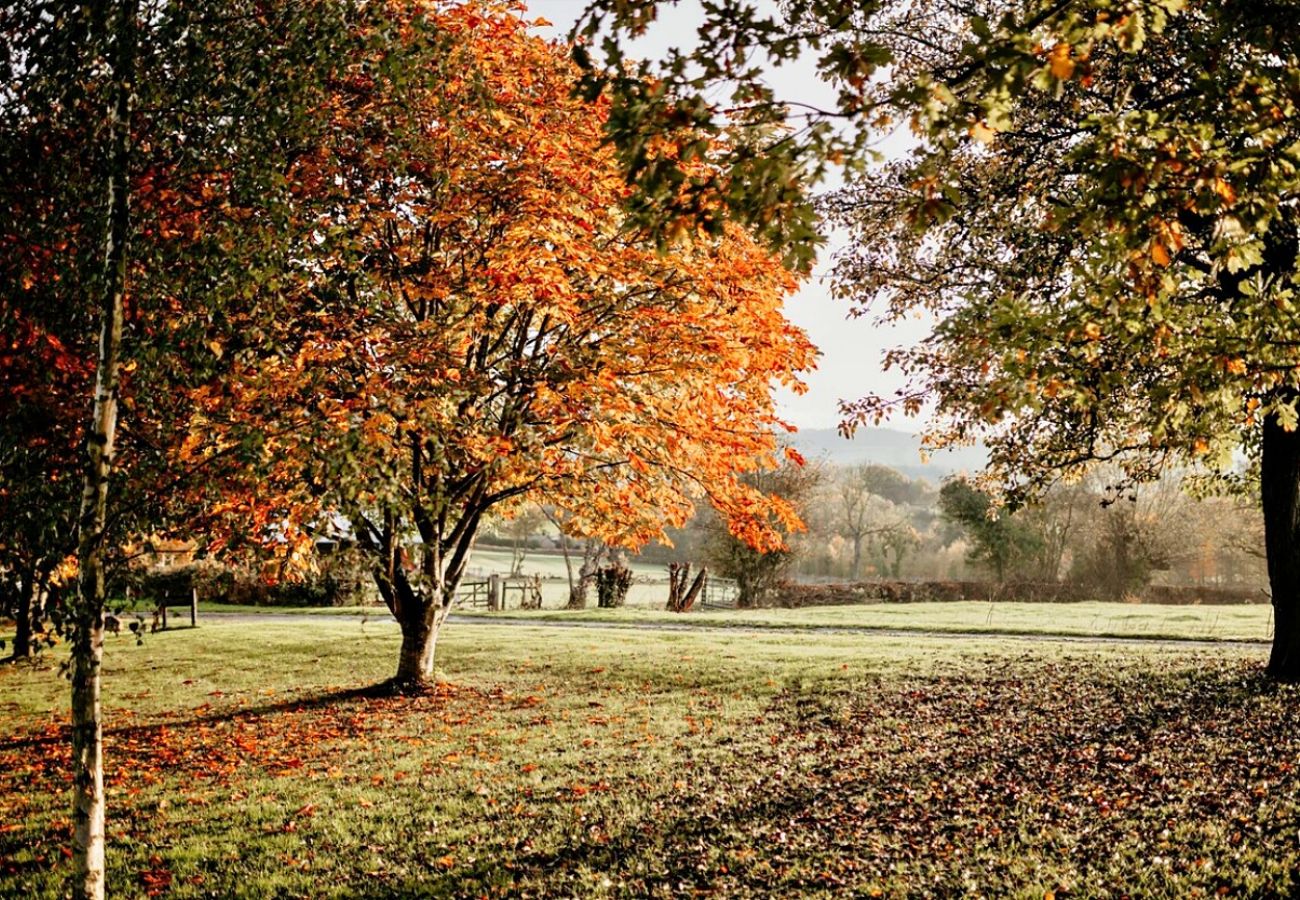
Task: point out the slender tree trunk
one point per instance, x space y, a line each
1280 497
24 618
88 617
568 562
579 590
746 592
857 557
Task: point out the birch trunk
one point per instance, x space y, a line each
88 618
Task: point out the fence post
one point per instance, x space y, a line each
494 592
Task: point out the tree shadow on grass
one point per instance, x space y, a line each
60 734
218 747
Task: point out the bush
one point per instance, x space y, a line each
340 581
210 579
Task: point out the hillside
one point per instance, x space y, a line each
887 446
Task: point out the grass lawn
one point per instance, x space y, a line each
243 762
1125 620
1249 623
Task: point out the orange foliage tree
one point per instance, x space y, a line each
478 326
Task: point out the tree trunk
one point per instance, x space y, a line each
1280 498
746 593
857 557
591 553
419 642
24 618
568 559
88 617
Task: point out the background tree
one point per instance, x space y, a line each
486 330
998 538
583 576
868 506
524 524
758 569
1100 216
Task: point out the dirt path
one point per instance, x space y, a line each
890 631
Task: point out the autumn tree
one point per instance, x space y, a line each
1105 204
757 569
143 146
484 327
998 539
1099 215
39 467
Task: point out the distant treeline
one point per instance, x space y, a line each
792 594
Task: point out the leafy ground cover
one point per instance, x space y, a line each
245 761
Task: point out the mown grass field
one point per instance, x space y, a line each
245 762
1076 619
1121 620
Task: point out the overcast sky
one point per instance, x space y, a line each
851 348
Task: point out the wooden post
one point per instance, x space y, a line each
164 613
194 607
494 592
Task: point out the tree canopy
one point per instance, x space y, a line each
477 325
1097 213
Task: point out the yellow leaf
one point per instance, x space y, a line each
981 132
215 347
1159 255
1062 63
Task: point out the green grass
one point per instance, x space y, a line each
610 762
1127 620
1118 620
374 611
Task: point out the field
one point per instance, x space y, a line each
1129 620
1119 620
246 760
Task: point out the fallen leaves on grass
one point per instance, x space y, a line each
1032 778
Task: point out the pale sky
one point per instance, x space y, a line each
851 348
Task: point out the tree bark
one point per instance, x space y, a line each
24 618
419 642
1280 498
88 617
579 590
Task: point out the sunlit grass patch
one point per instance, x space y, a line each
1095 619
247 760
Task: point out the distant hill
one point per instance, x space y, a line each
900 450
